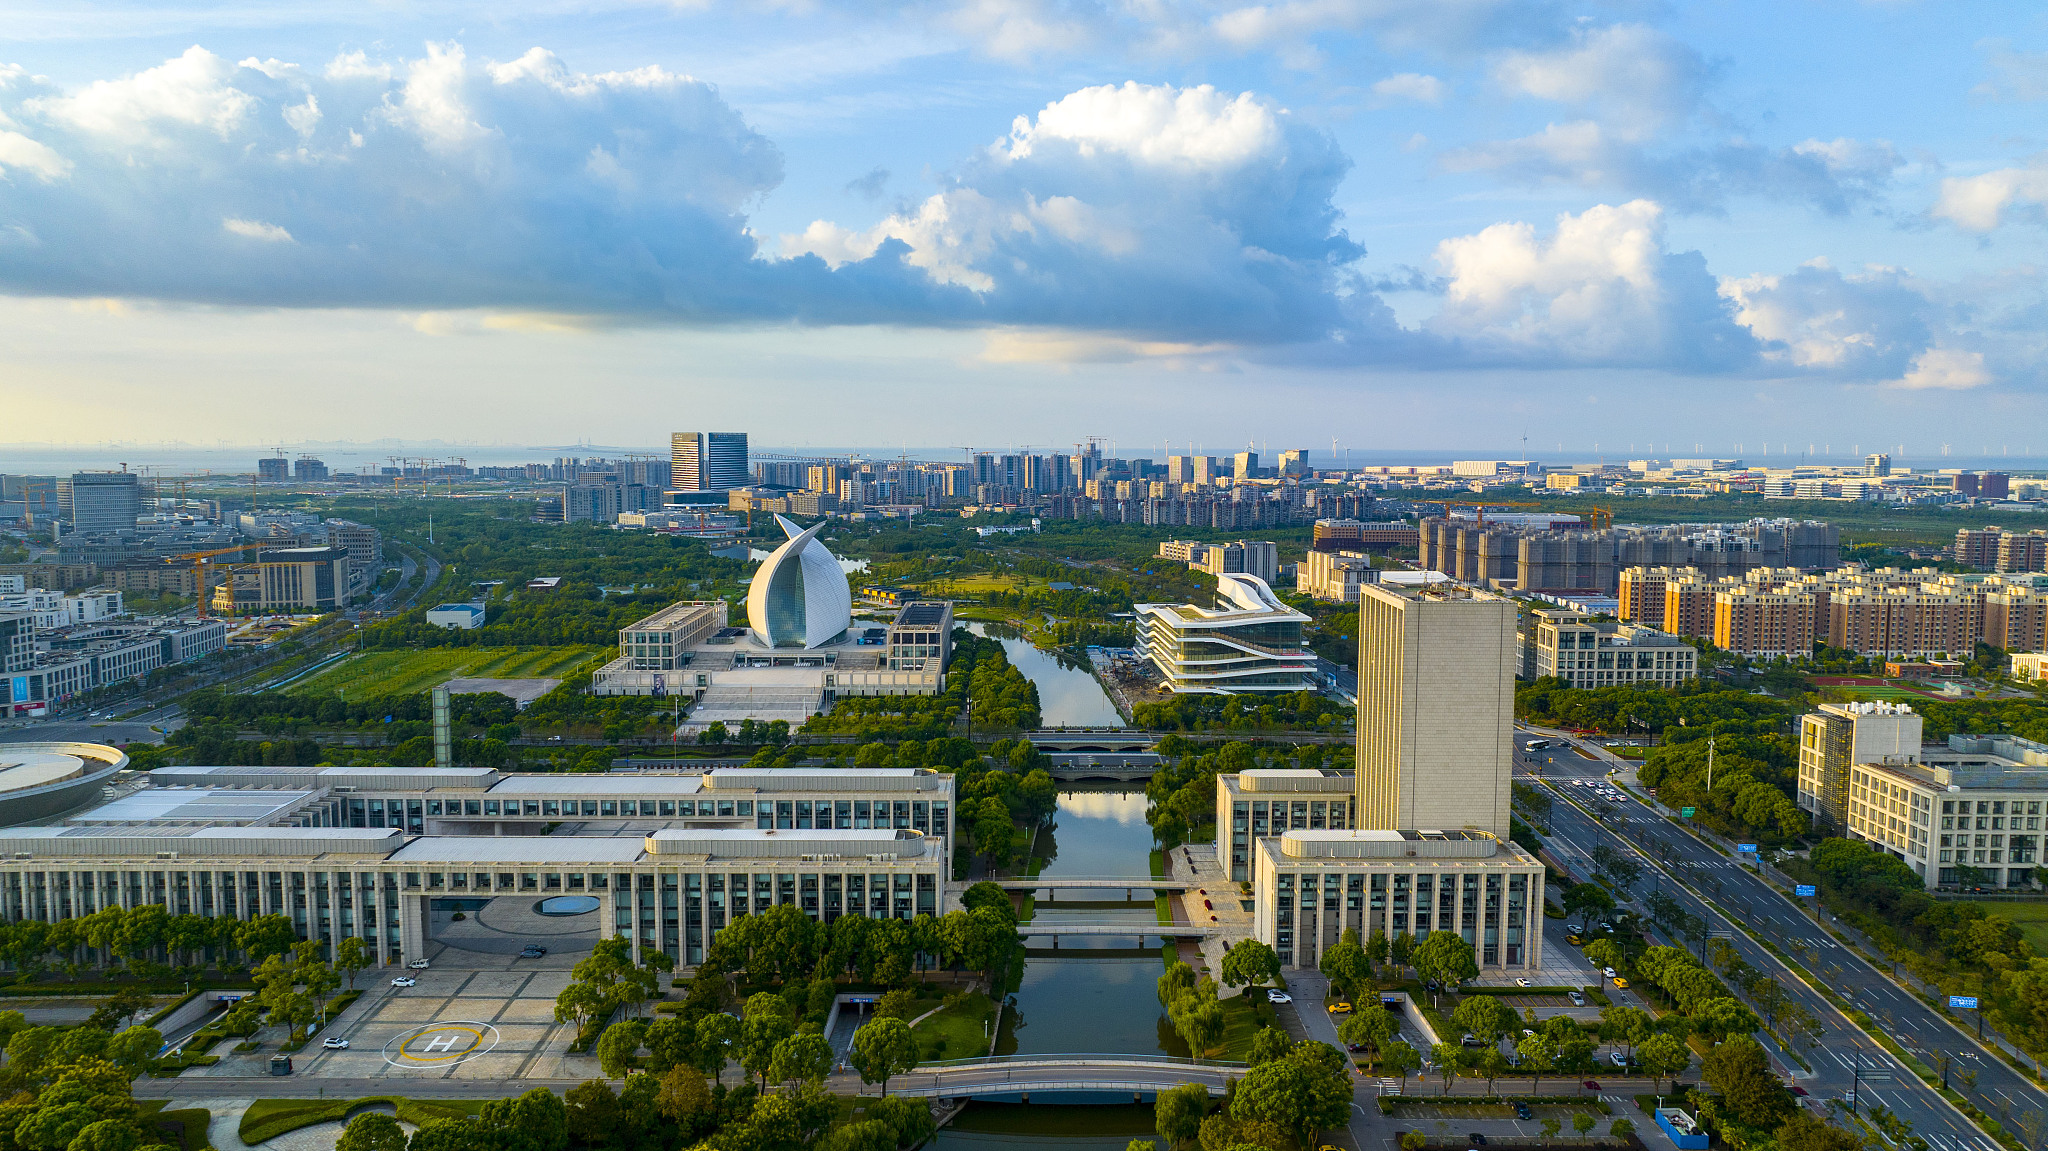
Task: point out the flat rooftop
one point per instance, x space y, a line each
241 807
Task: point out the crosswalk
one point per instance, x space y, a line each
1862 1061
1941 1142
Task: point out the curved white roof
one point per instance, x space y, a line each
799 597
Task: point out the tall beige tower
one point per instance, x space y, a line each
1436 708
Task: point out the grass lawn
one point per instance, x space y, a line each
410 672
2030 918
988 581
269 1118
957 1032
1243 1017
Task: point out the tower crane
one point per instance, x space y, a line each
199 570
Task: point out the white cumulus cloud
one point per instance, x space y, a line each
1981 203
1950 369
256 230
1410 87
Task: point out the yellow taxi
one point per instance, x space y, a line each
1575 939
1339 1007
1620 982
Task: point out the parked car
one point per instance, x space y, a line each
1578 998
1521 981
1276 996
1478 1140
405 981
334 1044
418 965
1521 1111
532 951
1470 1040
1339 1007
1618 1059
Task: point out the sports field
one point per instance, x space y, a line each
2030 918
409 672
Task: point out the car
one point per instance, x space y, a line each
1620 983
1618 1058
332 1043
1575 940
418 965
1273 996
1470 1040
1591 1085
1521 982
1527 1031
1478 1140
1339 1007
1575 928
1355 1048
1521 1111
405 981
1578 998
1608 972
1208 906
532 951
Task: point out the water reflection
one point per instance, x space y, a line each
1067 695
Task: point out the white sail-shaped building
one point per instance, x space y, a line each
799 597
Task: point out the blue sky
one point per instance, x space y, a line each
998 222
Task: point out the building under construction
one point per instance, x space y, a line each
1529 557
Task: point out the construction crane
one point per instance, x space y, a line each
199 570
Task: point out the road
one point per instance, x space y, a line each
86 729
1630 824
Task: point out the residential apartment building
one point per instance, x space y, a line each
1585 654
1641 592
2023 551
1764 622
1334 576
1258 558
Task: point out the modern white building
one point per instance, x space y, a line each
456 616
1964 814
1841 735
800 597
1571 647
1248 642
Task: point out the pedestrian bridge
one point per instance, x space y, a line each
1137 930
1095 739
1069 882
1024 1074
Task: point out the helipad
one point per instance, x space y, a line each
441 1044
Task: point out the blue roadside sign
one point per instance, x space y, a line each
1745 847
1963 1002
1804 889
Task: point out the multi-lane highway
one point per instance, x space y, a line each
1710 884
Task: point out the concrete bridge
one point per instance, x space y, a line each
1125 767
1024 1074
1127 740
1134 930
1103 882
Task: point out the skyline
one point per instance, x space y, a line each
1451 224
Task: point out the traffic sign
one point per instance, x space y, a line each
1963 1002
1685 813
1804 889
1750 847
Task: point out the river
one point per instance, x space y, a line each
1067 696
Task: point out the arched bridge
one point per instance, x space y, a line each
1023 1074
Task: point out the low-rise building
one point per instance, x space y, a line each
2030 665
1261 802
1585 654
921 636
456 616
286 579
1334 576
652 649
1964 814
1249 642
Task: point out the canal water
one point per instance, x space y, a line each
1067 696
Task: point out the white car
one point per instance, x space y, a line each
1521 982
333 1044
1273 996
418 965
1620 1060
405 981
1608 972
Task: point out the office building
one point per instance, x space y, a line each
708 461
2030 665
1249 642
1877 464
105 501
1841 735
1585 654
360 852
1334 576
1244 465
1436 693
653 649
921 636
1294 462
1262 802
1190 552
1259 558
286 580
1962 814
1426 849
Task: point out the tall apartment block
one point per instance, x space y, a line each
708 461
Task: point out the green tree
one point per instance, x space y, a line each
619 1047
1177 1114
1300 1095
116 1135
1268 1044
1626 1026
350 956
882 1049
767 1021
1486 1017
1604 953
535 1121
1583 1122
718 1035
1398 1060
449 1135
1345 965
1587 900
1664 1056
1740 1071
1622 1129
371 1131
803 1056
1370 1026
1250 962
1804 1132
1551 1127
1445 959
